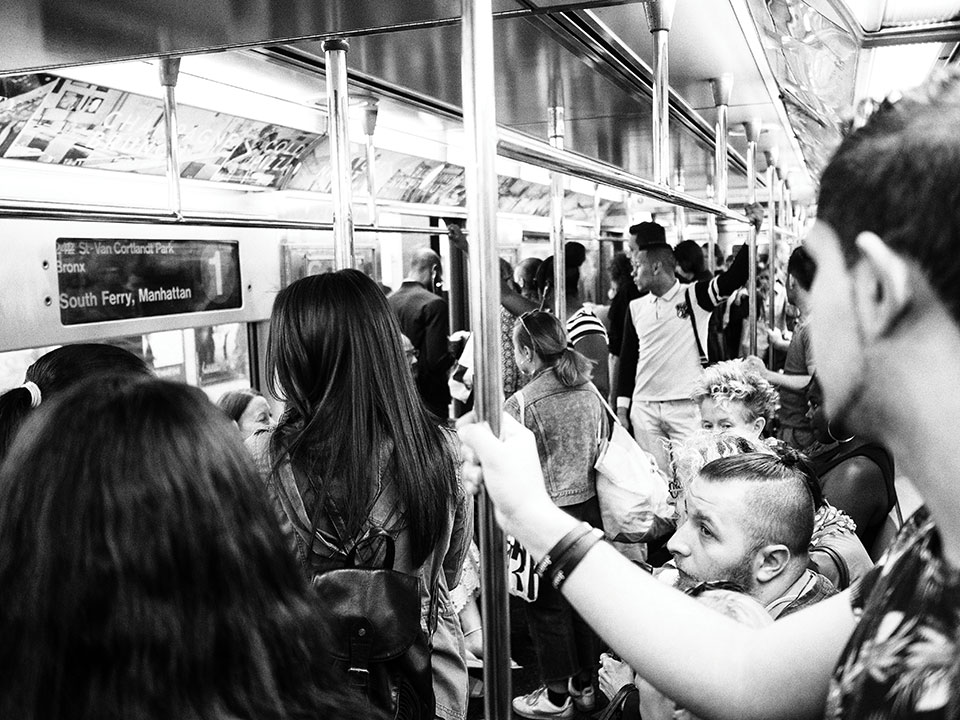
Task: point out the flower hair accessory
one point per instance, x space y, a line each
34 390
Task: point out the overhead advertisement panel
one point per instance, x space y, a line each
67 122
102 279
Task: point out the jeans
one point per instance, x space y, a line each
564 644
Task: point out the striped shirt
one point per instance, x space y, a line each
582 323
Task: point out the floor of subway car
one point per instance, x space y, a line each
525 678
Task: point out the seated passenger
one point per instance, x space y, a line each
856 474
59 370
248 409
638 699
734 397
142 571
748 519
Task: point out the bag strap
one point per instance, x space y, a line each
520 402
704 360
614 710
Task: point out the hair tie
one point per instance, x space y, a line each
34 390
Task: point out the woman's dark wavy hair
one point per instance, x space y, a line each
336 356
545 335
142 571
58 370
898 176
235 402
574 255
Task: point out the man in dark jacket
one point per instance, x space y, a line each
424 318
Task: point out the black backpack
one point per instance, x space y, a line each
371 612
373 621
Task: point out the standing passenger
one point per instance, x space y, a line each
565 412
665 343
355 450
424 318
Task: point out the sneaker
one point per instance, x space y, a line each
584 700
538 705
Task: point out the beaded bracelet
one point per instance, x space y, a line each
557 551
567 564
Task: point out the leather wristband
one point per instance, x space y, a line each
561 569
558 550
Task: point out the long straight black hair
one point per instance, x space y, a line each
336 357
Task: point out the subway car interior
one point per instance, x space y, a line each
167 168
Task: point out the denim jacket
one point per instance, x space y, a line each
567 422
436 575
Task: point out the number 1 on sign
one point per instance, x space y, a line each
215 261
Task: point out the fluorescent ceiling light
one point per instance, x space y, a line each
873 15
900 67
909 12
869 13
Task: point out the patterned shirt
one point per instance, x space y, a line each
903 660
582 323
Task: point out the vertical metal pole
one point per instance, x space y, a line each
369 127
169 73
722 89
711 236
752 130
659 17
480 136
335 54
772 185
680 212
556 131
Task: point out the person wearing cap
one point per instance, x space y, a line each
664 342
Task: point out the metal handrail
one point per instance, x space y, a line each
27 210
523 148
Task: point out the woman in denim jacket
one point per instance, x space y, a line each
564 410
355 449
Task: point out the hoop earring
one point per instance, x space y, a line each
835 438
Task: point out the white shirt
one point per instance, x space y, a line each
668 363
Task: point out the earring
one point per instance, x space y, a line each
834 437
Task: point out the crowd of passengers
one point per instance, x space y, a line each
161 557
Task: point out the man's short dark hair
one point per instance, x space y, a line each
802 267
779 504
662 254
899 176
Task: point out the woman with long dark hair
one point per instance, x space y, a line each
356 450
56 371
142 572
566 414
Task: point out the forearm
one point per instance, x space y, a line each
515 302
791 382
668 639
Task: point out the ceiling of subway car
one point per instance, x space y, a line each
42 34
607 113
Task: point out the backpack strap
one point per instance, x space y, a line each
704 360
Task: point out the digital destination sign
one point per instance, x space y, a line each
118 279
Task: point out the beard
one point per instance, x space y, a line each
740 575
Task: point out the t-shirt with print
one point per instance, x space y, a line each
793 403
902 659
